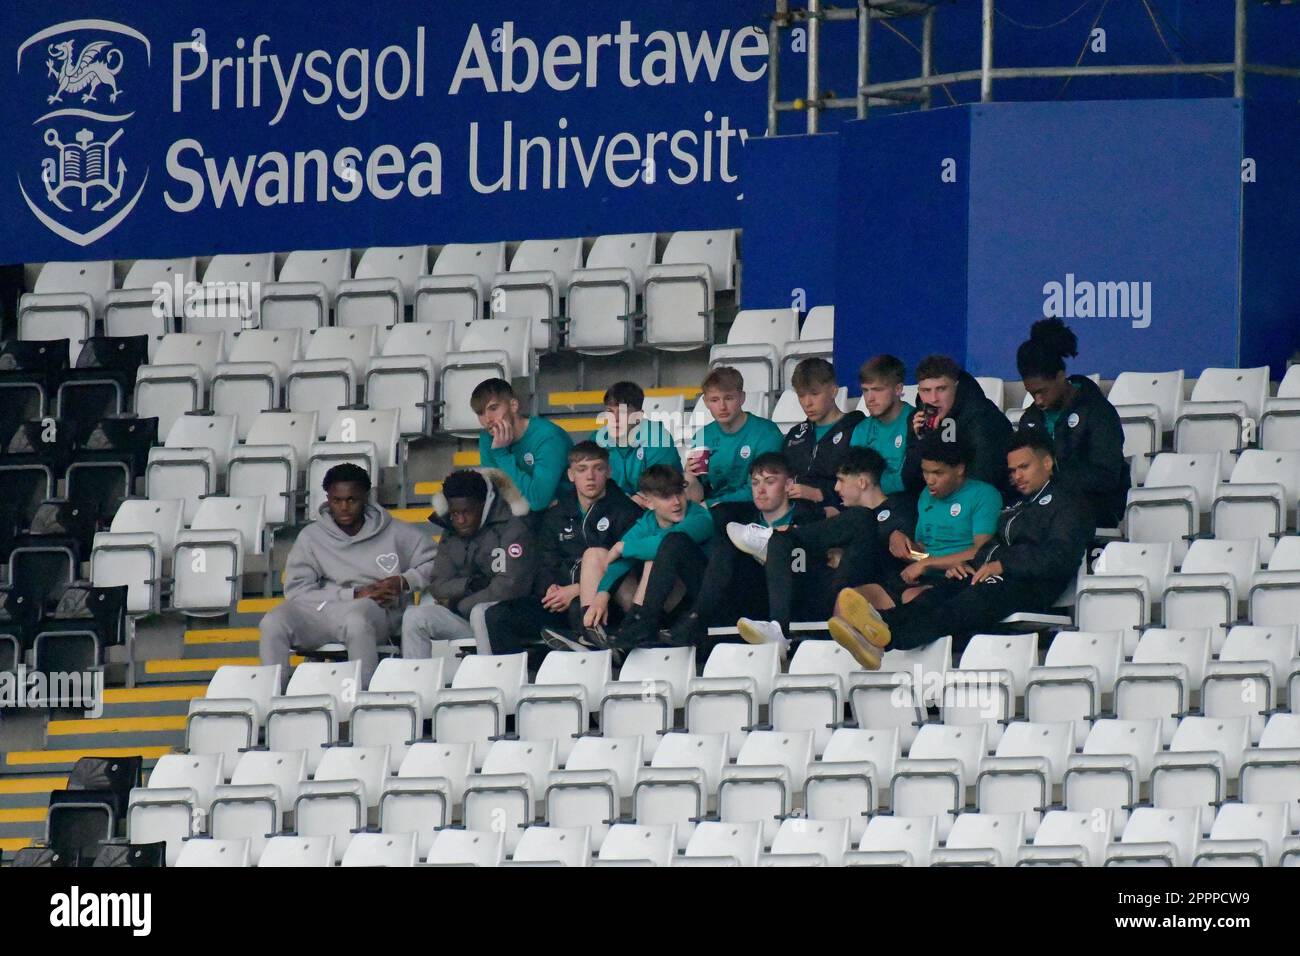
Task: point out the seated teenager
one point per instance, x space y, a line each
954 407
670 540
486 555
591 517
717 467
531 452
634 442
1024 567
888 429
815 447
808 564
1082 426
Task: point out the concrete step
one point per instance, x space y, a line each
59 759
172 670
572 401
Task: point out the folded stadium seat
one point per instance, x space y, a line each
1201 766
304 295
176 381
1273 592
647 845
1114 764
225 538
36 457
1148 404
1029 762
1291 852
1207 591
994 665
174 806
651 687
483 693
343 790
932 779
108 462
982 839
713 841
428 787
399 700
679 291
72 637
816 340
812 693
192 464
493 348
898 694
151 299
762 784
271 463
1167 669
599 777
252 378
558 704
1076 680
19 615
896 841
1157 837
728 698
565 846
326 379
40 575
262 790
89 811
467 848
298 851
1180 490
405 376
380 849
1223 413
228 299
808 842
1279 426
601 313
1245 680
380 289
59 523
754 347
1270 772
850 780
455 289
1246 834
1259 500
535 287
318 699
325 455
64 303
680 782
208 853
1068 839
1125 584
30 373
101 381
994 389
123 855
367 432
507 791
229 718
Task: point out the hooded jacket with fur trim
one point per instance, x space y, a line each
496 562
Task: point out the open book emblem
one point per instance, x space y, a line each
82 165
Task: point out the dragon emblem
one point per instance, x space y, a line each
87 72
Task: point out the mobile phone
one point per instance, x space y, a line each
918 555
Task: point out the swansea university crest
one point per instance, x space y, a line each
81 77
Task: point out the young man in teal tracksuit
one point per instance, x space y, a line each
887 430
532 452
633 441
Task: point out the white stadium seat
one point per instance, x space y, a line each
456 288
303 297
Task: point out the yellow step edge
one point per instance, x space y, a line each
114 725
579 424
595 397
428 487
222 635
411 514
32 784
153 695
24 758
258 605
14 844
465 459
179 666
24 815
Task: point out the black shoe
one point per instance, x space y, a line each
688 631
638 628
596 638
558 642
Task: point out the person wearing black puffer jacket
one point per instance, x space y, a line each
1082 427
951 403
815 447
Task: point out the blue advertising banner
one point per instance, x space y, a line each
147 129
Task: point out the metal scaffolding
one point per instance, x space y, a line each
918 90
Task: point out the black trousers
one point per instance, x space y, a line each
678 559
733 586
961 609
516 625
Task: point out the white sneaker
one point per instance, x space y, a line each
750 538
763 632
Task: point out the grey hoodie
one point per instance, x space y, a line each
325 564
